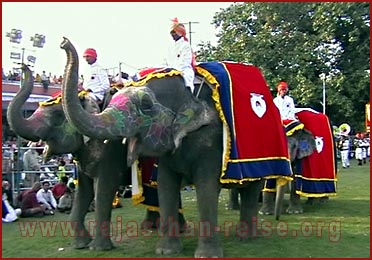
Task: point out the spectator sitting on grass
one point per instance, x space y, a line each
65 202
29 205
60 188
45 196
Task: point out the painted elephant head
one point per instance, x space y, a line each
47 123
301 144
152 126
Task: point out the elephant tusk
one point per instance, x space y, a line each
124 140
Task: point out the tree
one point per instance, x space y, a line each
298 41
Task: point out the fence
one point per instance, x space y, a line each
13 171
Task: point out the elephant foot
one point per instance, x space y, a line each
323 200
151 221
101 244
232 206
266 210
168 246
208 249
81 242
295 209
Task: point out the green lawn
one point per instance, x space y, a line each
338 228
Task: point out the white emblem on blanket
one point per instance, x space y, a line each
319 143
258 104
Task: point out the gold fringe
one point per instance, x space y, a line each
294 129
152 75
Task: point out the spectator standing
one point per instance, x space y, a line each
31 163
45 81
61 171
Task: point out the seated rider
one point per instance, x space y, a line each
181 56
285 103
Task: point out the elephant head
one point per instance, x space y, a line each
152 125
301 144
47 123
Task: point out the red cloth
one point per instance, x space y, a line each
58 190
252 130
321 163
29 200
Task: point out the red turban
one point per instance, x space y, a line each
282 85
179 28
90 52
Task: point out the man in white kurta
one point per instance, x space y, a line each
285 103
180 56
96 80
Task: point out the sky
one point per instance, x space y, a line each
133 33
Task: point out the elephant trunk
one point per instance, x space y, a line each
106 125
26 128
280 190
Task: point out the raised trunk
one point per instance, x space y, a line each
20 125
100 126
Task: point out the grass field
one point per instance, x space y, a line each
339 228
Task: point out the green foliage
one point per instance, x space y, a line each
339 228
297 42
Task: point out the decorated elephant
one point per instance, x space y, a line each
98 163
311 146
160 117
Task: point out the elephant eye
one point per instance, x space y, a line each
146 102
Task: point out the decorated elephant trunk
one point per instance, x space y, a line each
100 126
27 128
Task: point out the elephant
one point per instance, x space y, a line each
312 143
97 162
162 118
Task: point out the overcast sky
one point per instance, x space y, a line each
134 33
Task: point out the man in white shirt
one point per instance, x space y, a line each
31 163
181 57
96 80
45 196
285 103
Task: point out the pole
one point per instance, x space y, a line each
190 32
324 96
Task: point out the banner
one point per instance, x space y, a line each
367 117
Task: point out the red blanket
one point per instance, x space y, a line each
318 176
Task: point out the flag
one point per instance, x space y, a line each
15 55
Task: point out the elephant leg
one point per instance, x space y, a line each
169 185
233 199
83 198
268 205
247 227
295 206
207 192
151 220
107 185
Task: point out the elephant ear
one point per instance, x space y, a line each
190 118
306 143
